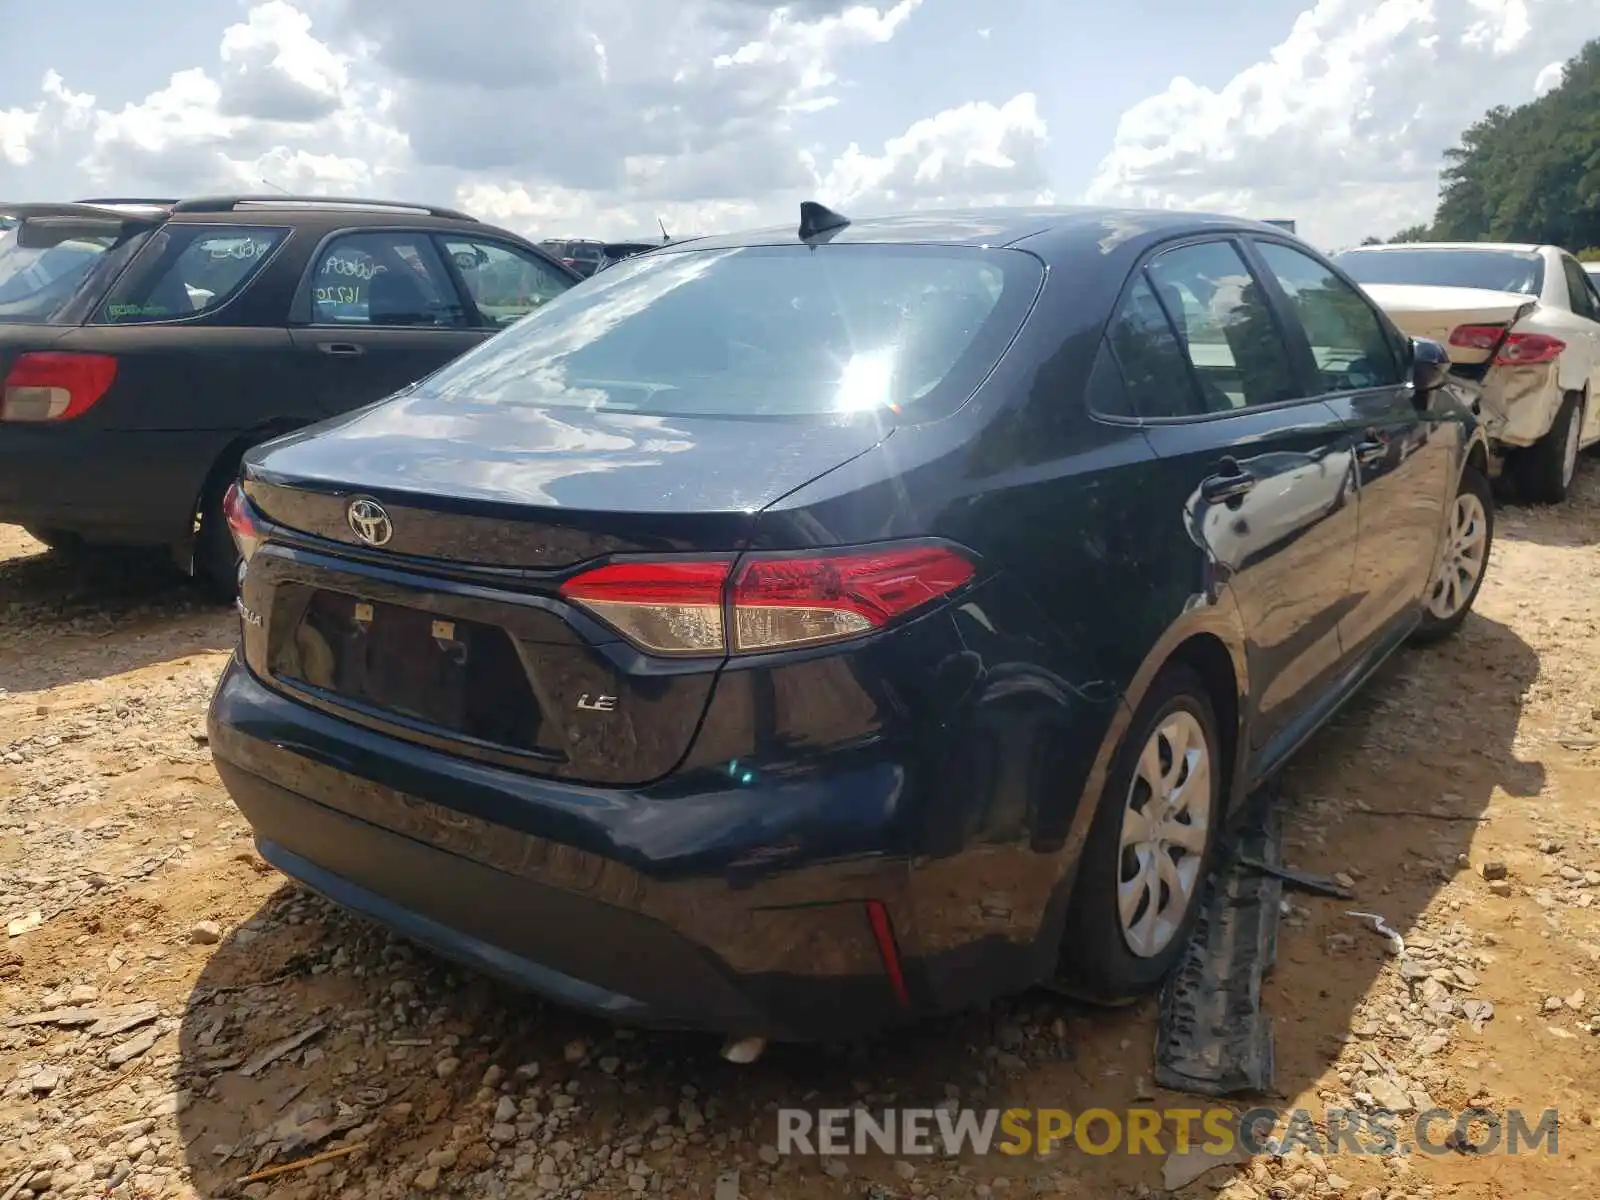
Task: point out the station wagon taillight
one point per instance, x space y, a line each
773 601
52 385
242 525
1519 350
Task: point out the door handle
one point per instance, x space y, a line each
1230 483
1370 449
341 349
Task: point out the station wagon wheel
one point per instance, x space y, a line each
216 558
1463 558
1150 849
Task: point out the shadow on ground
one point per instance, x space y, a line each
66 618
1570 523
394 1047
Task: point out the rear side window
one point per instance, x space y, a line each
36 283
1154 370
1348 342
187 270
763 331
1580 295
387 278
1224 324
505 283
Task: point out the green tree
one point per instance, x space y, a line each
1530 174
1413 233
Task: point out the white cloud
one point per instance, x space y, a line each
275 70
1550 78
974 154
576 120
1344 125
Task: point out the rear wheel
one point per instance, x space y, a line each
1545 470
1150 849
216 558
1464 560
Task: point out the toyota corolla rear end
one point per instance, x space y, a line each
525 675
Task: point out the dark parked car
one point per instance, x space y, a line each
785 634
583 255
145 345
616 252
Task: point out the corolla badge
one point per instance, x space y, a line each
369 522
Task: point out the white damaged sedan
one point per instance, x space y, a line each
1523 322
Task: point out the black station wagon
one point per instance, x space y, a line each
146 344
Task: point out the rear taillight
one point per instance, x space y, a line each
1527 349
53 385
774 601
1477 337
247 534
669 607
1519 350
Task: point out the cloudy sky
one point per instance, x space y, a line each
597 117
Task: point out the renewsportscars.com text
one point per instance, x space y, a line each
928 1131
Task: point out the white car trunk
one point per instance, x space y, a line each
1436 312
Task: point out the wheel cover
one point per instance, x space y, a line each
1569 452
1166 817
1465 554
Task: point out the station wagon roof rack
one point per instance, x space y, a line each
130 201
220 204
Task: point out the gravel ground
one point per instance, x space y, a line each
175 1017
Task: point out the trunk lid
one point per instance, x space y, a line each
1436 312
508 485
453 631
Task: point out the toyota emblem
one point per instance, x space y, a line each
369 522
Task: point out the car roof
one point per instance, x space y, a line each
1512 247
329 212
1055 228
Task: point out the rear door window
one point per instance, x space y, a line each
1224 324
385 278
506 283
188 270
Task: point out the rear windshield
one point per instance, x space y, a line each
1492 270
768 331
36 284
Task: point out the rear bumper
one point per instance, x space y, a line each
111 486
688 911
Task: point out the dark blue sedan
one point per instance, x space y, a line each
790 633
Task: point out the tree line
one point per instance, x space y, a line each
1527 174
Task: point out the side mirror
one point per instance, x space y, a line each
1430 365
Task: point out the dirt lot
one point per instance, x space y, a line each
234 1023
